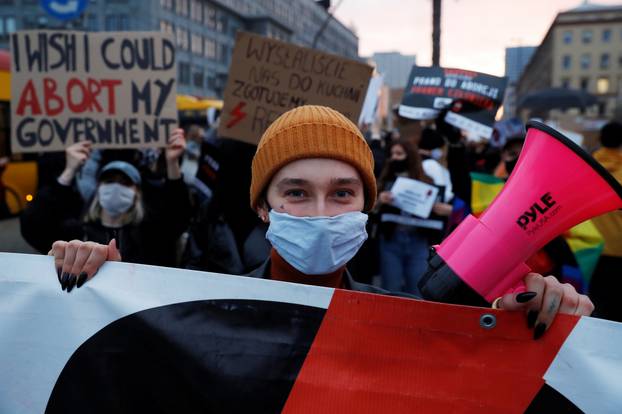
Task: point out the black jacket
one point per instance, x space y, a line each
56 214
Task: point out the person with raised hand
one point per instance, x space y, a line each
115 224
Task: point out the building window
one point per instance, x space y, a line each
221 22
602 85
604 61
182 38
568 37
7 25
197 77
586 36
92 23
209 16
181 7
586 61
117 22
606 35
566 61
166 4
196 10
196 45
167 27
209 51
585 83
566 83
184 73
224 53
211 82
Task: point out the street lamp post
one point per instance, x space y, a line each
436 32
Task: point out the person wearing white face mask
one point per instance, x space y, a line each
117 217
312 178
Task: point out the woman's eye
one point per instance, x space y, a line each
294 193
343 193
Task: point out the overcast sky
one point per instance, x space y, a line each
474 33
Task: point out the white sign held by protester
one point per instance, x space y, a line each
414 197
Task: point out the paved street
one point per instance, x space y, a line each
10 238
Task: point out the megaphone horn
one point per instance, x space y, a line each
554 186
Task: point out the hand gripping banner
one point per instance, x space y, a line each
149 339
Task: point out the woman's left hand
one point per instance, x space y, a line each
174 150
176 145
543 299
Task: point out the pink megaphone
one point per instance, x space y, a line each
554 186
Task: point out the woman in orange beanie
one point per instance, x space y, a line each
312 178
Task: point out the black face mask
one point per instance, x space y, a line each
398 166
509 165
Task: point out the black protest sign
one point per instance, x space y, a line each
473 97
268 77
115 89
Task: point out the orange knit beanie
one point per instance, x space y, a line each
311 131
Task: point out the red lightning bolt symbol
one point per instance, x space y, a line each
237 115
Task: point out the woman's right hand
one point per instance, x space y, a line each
77 261
385 197
75 157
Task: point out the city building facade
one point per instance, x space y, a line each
516 58
395 67
581 50
204 30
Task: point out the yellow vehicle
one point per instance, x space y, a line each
18 173
193 110
18 176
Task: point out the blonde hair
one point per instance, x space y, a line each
134 215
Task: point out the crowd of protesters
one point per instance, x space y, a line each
187 206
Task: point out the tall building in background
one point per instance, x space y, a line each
395 67
516 58
204 29
581 50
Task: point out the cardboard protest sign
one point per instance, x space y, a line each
151 339
115 89
473 97
370 105
268 77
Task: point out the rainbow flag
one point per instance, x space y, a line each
584 240
484 189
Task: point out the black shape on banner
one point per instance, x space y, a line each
549 400
214 356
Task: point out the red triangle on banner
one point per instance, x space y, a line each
377 353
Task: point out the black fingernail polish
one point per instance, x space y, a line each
81 279
539 331
71 283
59 271
525 297
63 280
532 315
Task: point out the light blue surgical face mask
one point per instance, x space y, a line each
116 198
317 245
436 153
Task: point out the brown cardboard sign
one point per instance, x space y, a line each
268 77
115 89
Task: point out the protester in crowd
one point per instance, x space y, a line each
312 176
226 236
404 238
456 156
118 216
607 280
